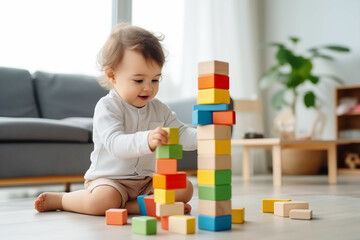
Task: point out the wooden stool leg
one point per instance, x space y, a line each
246 164
332 164
67 187
276 160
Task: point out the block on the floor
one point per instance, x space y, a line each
169 181
303 214
201 117
213 177
115 216
173 135
211 132
224 118
165 222
166 196
150 206
213 96
215 193
268 204
210 223
144 225
211 107
142 205
182 224
282 209
214 162
214 208
169 151
166 166
169 209
238 215
213 67
214 147
213 81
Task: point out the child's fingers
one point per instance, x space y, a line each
163 139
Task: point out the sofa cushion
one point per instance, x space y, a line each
66 95
39 129
17 93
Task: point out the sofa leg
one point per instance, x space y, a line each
67 187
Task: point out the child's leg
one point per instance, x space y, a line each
185 195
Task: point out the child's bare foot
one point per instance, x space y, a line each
48 202
187 208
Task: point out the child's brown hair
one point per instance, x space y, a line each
125 36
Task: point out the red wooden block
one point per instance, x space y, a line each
224 118
166 166
165 223
169 181
150 206
116 216
213 81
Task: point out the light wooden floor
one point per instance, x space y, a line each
336 212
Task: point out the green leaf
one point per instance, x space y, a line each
294 81
283 55
269 77
332 77
337 48
314 50
309 99
327 57
314 79
277 100
271 44
294 39
301 68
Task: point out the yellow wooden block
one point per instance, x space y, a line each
214 177
182 224
268 204
213 96
214 147
210 132
237 215
173 135
164 196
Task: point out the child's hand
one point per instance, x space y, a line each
157 138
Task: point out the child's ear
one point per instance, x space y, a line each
110 75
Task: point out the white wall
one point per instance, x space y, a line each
316 22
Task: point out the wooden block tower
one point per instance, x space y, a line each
166 178
214 122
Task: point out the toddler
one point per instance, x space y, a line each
126 129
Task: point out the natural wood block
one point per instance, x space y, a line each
201 117
144 225
213 67
169 181
164 196
210 223
169 209
213 81
214 177
304 214
142 206
282 209
215 193
166 166
237 215
214 208
173 135
211 107
150 206
213 96
214 147
211 132
116 216
165 222
224 118
268 204
182 224
169 151
214 162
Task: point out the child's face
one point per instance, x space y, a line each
136 79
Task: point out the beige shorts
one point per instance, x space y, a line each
129 189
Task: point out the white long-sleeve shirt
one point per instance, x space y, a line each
120 136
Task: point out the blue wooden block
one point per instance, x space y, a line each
211 107
142 205
202 117
210 223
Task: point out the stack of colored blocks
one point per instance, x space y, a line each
166 178
214 146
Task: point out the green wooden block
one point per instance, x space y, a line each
215 193
169 151
144 225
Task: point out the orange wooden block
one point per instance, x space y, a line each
150 206
169 181
224 118
166 166
213 81
165 223
116 216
